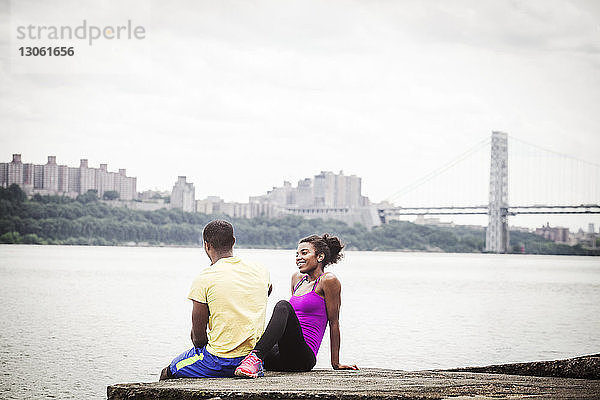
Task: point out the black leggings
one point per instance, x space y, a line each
282 346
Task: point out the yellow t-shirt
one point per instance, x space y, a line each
236 293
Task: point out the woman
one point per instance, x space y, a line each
294 333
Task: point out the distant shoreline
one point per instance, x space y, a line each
88 221
243 247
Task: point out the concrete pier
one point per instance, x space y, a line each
585 367
364 384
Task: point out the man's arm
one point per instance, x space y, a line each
199 322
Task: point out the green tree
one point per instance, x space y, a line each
110 195
14 194
10 237
32 238
89 197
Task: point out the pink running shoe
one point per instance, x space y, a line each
251 367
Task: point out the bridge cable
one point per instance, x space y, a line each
554 152
426 178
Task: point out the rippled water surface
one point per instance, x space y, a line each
76 319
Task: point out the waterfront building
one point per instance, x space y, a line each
209 205
154 195
63 179
304 193
87 177
3 174
421 220
587 239
15 171
50 175
27 177
282 196
518 229
236 210
327 195
264 210
324 190
340 191
556 234
54 179
104 183
74 176
38 177
354 198
183 195
254 208
126 185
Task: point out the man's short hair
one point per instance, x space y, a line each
219 234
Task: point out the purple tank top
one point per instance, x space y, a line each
312 315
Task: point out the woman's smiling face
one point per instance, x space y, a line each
306 258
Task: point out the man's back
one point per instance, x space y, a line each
229 299
236 294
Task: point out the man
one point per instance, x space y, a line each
229 297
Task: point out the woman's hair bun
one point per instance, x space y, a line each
335 247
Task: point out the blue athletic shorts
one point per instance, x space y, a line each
199 363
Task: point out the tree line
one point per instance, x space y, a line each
88 221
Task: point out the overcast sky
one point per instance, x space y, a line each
240 96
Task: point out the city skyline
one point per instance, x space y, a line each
238 101
287 196
52 178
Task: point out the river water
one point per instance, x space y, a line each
76 319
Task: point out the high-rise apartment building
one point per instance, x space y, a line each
54 179
63 179
328 196
28 171
87 177
105 180
38 177
50 175
354 197
74 181
15 171
3 174
183 195
126 185
305 194
326 191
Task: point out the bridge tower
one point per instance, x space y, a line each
496 238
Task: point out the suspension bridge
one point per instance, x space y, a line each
547 182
